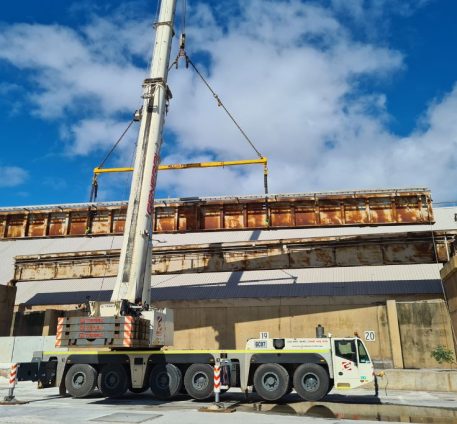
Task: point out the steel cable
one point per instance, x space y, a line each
221 104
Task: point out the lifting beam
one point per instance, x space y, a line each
262 161
175 166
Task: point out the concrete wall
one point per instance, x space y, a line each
449 277
423 326
7 297
403 338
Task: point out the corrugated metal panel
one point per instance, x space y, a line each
344 281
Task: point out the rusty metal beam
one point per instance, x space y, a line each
402 248
235 213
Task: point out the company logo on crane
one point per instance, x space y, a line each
153 184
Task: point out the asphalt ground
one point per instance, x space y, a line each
46 406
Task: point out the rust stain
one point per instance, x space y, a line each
233 217
37 225
256 215
118 218
101 222
281 215
164 220
57 223
16 226
78 223
187 218
211 218
305 215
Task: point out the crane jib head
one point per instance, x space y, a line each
152 188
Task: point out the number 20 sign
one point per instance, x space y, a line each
370 336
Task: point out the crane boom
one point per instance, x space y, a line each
133 280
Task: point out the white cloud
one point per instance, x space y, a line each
12 176
70 70
366 11
289 71
93 134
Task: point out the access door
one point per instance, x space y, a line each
352 365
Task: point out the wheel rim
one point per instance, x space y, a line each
270 381
163 380
310 382
78 380
200 381
112 380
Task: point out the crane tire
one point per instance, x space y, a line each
165 381
271 381
113 380
311 382
199 381
81 380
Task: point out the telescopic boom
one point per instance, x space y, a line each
133 282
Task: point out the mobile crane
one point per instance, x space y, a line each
119 346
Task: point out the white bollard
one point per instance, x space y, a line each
217 380
12 382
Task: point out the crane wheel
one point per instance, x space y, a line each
271 381
311 382
199 381
113 380
80 380
165 381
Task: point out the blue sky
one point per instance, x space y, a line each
339 94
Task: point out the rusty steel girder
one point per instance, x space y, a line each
392 249
380 207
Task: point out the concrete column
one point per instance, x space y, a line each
50 323
7 298
394 331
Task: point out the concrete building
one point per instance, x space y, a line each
365 262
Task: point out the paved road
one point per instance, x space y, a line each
45 406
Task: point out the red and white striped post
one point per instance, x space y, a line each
217 380
12 382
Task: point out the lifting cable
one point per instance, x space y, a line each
94 187
183 54
220 104
218 99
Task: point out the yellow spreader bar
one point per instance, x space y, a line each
173 166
